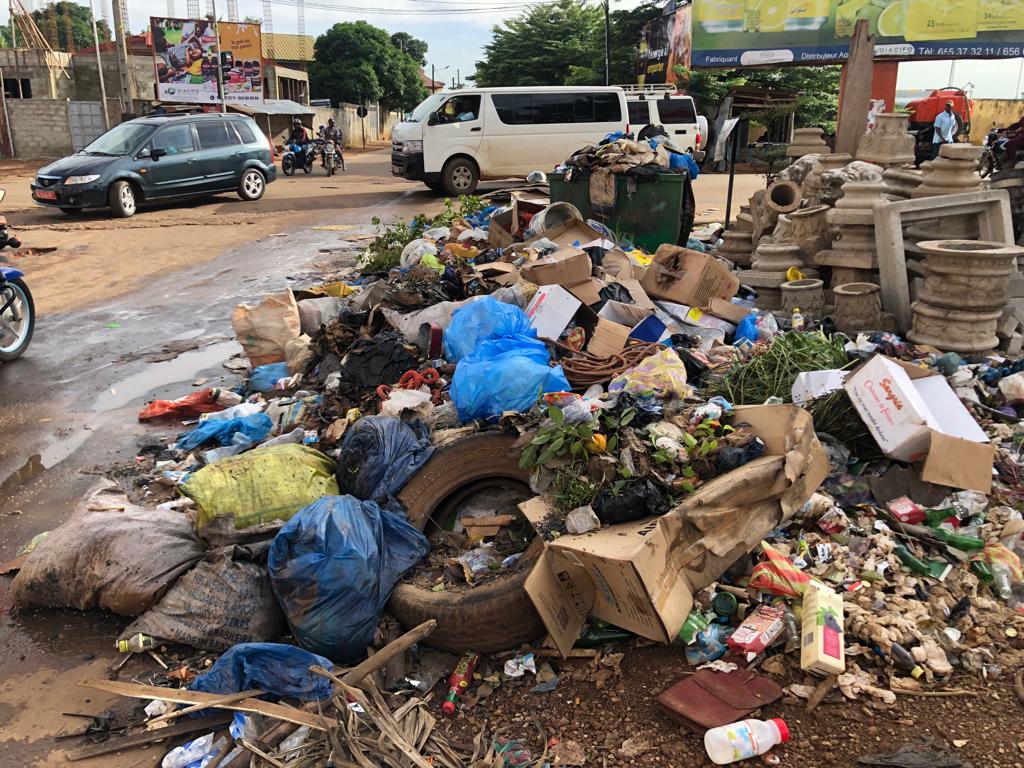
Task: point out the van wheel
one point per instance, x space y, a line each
252 186
434 186
121 199
459 177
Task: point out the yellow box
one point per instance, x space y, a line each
822 648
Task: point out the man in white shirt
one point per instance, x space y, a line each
944 129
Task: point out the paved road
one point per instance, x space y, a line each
114 293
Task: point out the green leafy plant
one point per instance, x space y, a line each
571 488
556 440
612 424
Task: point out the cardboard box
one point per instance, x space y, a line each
636 292
589 291
642 575
914 415
500 272
822 648
504 228
688 277
628 315
551 310
567 266
575 233
609 338
726 310
617 264
810 385
693 316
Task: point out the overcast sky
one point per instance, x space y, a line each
456 39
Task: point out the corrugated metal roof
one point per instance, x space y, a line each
283 47
274 107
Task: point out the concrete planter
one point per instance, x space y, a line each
889 143
807 141
953 330
858 307
967 274
808 295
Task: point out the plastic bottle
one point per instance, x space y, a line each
731 743
903 660
1002 580
458 683
137 643
797 321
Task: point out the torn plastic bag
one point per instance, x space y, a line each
109 554
372 362
662 374
379 454
280 670
260 486
481 320
222 431
640 498
265 377
506 374
778 575
187 407
316 312
333 567
225 600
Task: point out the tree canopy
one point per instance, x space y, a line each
411 45
562 43
358 62
68 26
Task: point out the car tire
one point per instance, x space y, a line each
122 199
252 186
13 353
434 186
459 177
493 616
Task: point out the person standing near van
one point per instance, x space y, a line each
944 129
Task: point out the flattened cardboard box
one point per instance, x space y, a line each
688 277
914 415
642 575
565 267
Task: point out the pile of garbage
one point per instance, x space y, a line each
511 430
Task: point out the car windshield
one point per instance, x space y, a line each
426 106
120 140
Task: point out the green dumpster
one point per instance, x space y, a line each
648 210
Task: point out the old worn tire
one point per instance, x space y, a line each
494 616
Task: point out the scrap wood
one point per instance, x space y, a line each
488 520
182 696
1018 685
149 737
934 694
359 672
820 692
229 698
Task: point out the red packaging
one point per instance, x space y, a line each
759 629
459 681
906 511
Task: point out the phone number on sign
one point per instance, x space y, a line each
975 50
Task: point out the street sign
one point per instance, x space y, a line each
362 111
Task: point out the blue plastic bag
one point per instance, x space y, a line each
685 161
504 375
379 454
265 376
222 431
333 567
278 669
746 330
486 318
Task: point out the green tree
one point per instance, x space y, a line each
252 20
416 48
58 21
562 43
357 62
5 36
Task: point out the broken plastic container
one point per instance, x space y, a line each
731 743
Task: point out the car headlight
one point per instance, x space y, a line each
80 179
411 147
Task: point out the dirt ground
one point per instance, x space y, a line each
139 308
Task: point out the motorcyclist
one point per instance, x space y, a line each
333 134
299 137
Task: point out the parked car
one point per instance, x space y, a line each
156 159
675 112
455 138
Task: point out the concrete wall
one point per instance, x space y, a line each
42 70
377 125
1002 112
40 127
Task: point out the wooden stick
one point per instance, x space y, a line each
356 675
1018 685
229 698
820 692
246 744
934 694
150 737
180 696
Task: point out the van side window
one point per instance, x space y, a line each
676 111
176 139
556 108
214 134
639 113
459 109
244 131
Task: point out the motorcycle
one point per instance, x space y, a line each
330 156
993 158
17 311
294 154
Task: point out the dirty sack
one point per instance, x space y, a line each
280 670
481 320
504 374
372 362
264 329
258 487
187 407
333 567
109 554
379 454
225 600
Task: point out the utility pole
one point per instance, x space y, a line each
1020 78
607 45
458 78
122 55
433 84
99 67
220 62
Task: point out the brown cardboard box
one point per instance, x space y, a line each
636 292
567 266
726 310
642 575
609 338
504 228
688 277
589 291
499 272
569 234
618 265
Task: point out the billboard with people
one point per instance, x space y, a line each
664 44
730 33
241 57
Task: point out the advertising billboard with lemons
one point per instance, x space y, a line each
731 33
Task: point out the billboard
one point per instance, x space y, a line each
731 33
185 59
241 55
665 42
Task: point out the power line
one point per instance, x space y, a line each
341 8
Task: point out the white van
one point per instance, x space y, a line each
673 111
453 139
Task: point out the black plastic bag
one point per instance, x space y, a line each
379 454
639 498
371 362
